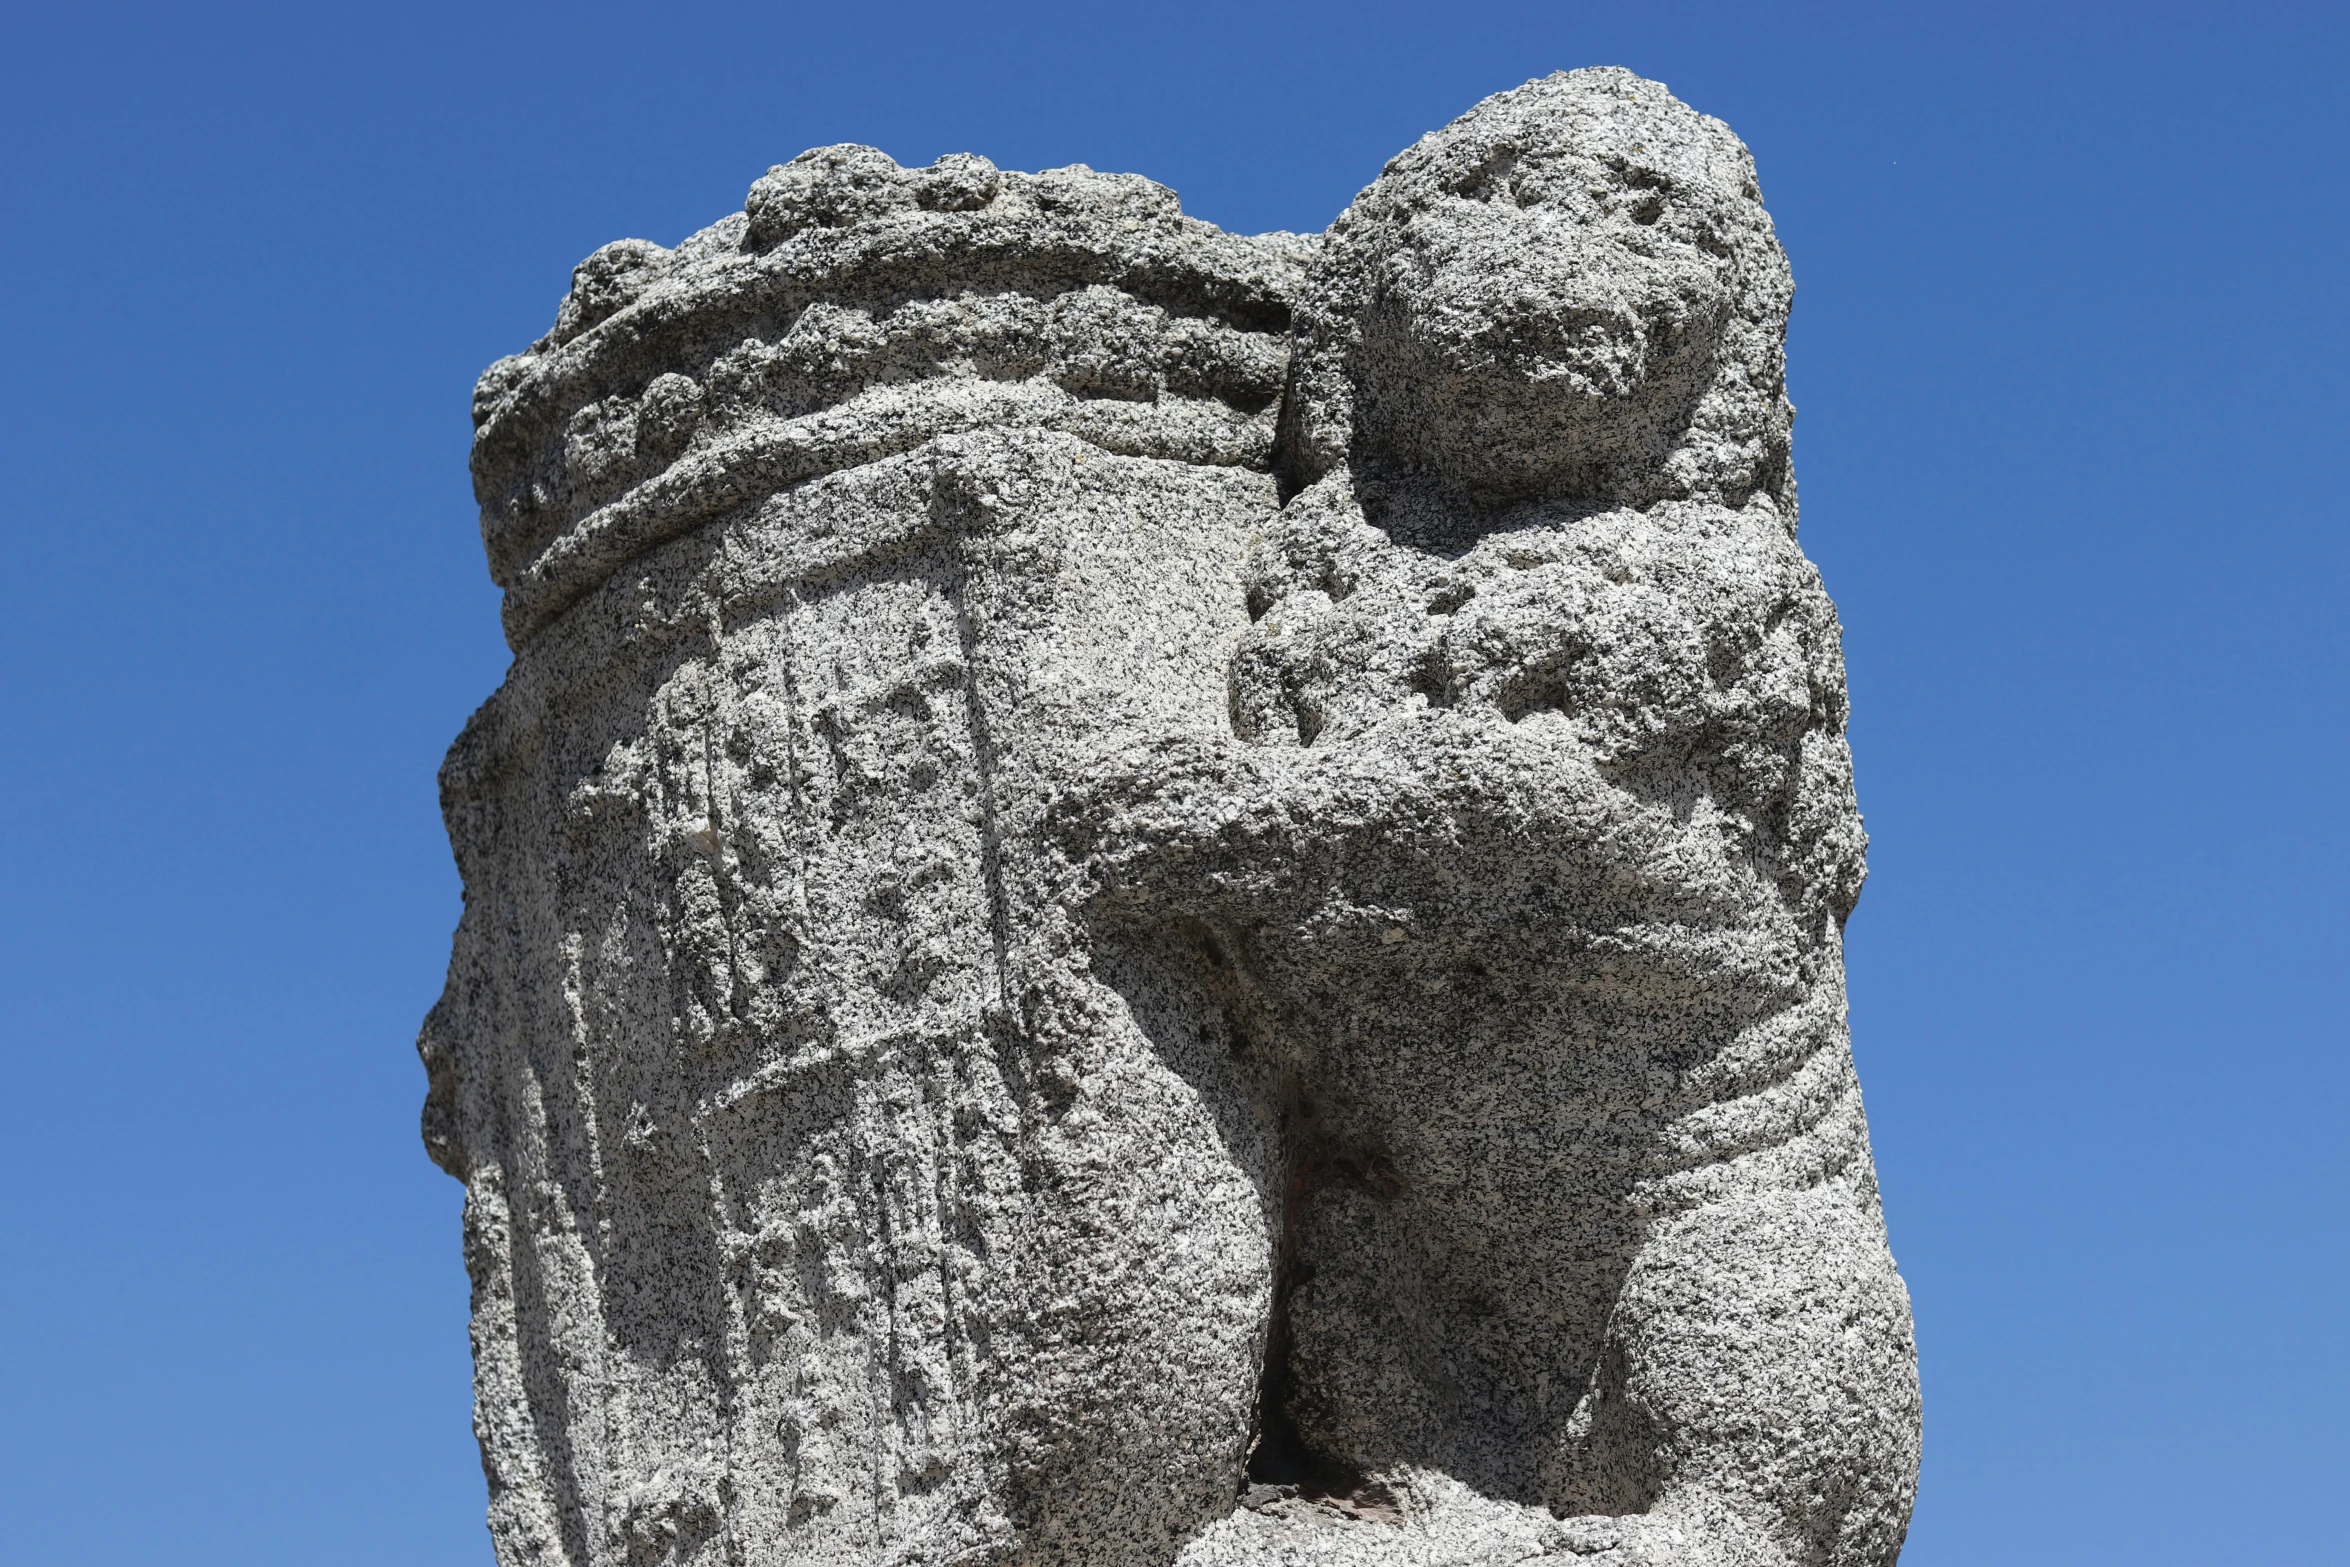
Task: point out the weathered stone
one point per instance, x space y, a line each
1143 896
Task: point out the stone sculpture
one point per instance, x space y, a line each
1146 896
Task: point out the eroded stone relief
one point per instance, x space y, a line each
1148 896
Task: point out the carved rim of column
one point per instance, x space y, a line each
637 311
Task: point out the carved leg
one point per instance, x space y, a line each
1756 1399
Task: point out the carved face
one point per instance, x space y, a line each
1527 352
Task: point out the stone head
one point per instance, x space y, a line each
1571 293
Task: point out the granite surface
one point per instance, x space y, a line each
1143 896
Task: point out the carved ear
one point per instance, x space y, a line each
1318 403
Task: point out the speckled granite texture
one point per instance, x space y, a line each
1143 896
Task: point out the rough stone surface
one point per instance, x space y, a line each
1143 896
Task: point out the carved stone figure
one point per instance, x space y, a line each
1146 896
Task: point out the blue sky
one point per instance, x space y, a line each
2069 350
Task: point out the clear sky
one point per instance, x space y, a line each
2069 348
